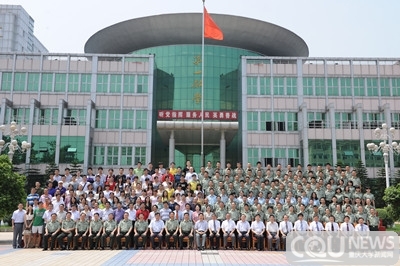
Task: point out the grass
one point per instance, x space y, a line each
396 228
6 228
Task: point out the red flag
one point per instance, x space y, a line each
211 29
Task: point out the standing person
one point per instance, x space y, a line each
28 226
38 224
200 229
17 221
258 229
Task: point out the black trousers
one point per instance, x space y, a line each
127 239
153 237
94 240
214 239
84 239
60 239
104 237
260 242
46 240
184 234
168 238
242 235
136 239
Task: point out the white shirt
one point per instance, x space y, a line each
243 226
300 225
286 227
328 226
18 216
211 225
316 226
100 212
132 214
47 215
201 225
156 226
343 227
257 227
228 225
361 227
272 227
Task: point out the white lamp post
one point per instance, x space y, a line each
385 134
13 131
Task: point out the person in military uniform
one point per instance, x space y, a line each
81 230
109 229
373 220
171 231
140 229
186 229
124 230
67 230
95 230
52 229
235 214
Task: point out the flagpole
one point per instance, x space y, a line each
202 92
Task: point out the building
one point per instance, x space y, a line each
16 31
136 96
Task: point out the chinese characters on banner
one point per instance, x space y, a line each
196 115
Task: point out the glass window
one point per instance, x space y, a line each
19 81
308 86
372 120
140 154
101 118
266 121
73 82
359 89
115 83
316 120
54 117
252 85
320 87
6 81
345 87
372 87
266 153
60 82
252 121
279 121
98 155
142 84
129 83
333 86
279 87
72 149
114 118
79 115
127 156
33 81
141 119
396 86
293 156
112 155
102 82
21 115
47 82
385 86
265 86
396 120
292 121
127 119
86 82
291 86
252 154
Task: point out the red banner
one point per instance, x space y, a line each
196 115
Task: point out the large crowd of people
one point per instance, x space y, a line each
216 207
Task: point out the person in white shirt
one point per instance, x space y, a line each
316 225
300 224
346 226
285 227
243 229
361 226
332 225
200 229
228 228
272 232
258 228
213 227
156 227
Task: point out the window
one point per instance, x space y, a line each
359 89
101 119
129 83
127 156
6 81
320 87
142 84
372 120
316 120
252 154
396 86
345 87
308 86
79 116
140 154
21 115
385 86
60 82
33 81
141 119
252 121
345 121
102 83
47 82
279 88
292 122
48 116
112 155
98 156
19 81
252 85
333 86
266 154
279 121
86 82
73 82
114 118
115 83
291 86
293 156
265 86
396 120
266 121
127 119
372 87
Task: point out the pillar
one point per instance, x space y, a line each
171 156
222 153
331 109
359 111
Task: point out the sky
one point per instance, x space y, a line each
335 28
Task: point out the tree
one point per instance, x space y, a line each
11 187
392 198
75 166
362 173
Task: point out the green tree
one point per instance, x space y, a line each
362 173
392 198
11 187
75 166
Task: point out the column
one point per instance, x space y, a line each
388 121
304 133
34 104
359 110
90 109
222 153
171 156
61 106
331 109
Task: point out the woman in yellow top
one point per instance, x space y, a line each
170 189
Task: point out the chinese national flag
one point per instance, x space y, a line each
211 29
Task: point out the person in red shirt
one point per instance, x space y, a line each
171 176
143 211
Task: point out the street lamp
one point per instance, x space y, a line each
385 134
13 131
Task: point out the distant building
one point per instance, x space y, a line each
16 31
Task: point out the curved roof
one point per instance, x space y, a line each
185 28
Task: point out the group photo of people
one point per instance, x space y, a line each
169 207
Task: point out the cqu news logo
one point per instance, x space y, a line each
355 248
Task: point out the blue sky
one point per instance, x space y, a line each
336 28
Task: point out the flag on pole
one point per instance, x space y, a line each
211 29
